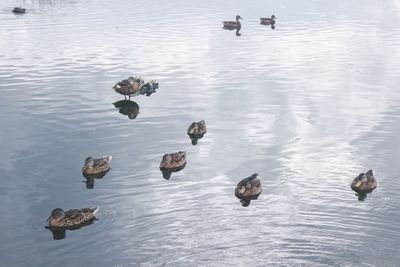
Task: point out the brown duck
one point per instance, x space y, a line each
248 189
268 21
232 25
96 166
172 162
71 218
364 183
128 87
196 131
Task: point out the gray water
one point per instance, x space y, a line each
308 106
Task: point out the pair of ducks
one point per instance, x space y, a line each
231 25
175 162
250 188
97 168
70 219
135 86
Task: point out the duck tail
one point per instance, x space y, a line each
95 210
109 157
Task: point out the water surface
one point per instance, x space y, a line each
308 106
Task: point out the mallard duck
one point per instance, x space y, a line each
71 218
268 21
94 167
128 87
248 189
18 10
172 162
128 108
364 183
231 25
196 131
148 88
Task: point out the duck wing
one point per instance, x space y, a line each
103 164
76 217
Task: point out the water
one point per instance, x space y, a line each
308 106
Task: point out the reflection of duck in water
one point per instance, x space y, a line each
90 179
172 162
196 131
248 189
364 183
128 87
18 10
232 25
60 220
96 166
127 107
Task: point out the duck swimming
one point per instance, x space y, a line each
128 87
364 183
172 162
18 10
268 21
196 131
232 25
71 218
94 167
248 189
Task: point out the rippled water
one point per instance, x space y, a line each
308 106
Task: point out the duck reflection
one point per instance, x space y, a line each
59 233
271 25
128 108
361 196
237 32
91 178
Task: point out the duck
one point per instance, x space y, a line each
231 25
18 10
196 131
94 167
248 189
268 21
148 88
364 183
172 162
128 87
71 218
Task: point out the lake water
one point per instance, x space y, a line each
308 105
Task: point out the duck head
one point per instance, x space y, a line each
238 17
56 214
273 17
89 163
